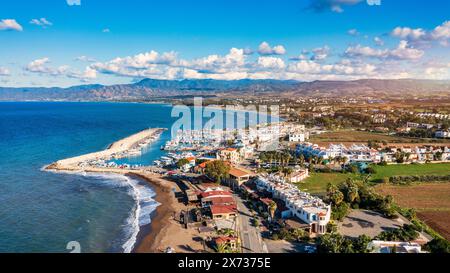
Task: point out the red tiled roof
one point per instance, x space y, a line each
225 239
213 193
266 201
222 200
221 209
203 165
238 172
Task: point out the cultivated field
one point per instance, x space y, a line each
349 137
431 200
317 182
438 221
412 169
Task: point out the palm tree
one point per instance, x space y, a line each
352 193
272 209
222 248
302 160
298 234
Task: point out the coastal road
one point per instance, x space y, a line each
250 235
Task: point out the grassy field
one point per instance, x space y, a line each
414 169
430 200
317 182
347 137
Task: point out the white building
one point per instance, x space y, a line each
298 137
394 247
299 175
355 153
309 209
442 134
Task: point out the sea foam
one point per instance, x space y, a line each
143 195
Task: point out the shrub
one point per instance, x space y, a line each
371 170
438 246
340 211
405 234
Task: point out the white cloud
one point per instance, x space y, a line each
106 30
85 59
320 53
378 41
408 33
4 71
353 32
42 66
41 22
301 57
266 49
10 24
402 52
331 5
88 74
234 60
73 2
39 66
271 62
439 34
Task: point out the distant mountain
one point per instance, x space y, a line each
151 88
367 87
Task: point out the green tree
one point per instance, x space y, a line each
272 209
352 193
223 248
360 245
182 162
217 170
438 246
330 243
336 198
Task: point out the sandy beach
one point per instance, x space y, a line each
164 231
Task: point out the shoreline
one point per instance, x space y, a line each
149 237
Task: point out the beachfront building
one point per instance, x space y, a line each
219 212
237 177
219 202
217 197
309 209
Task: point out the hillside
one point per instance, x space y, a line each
151 88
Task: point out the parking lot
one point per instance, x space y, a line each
370 223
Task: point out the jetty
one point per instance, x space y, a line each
96 162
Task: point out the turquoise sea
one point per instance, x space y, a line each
44 211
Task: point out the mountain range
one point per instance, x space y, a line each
152 88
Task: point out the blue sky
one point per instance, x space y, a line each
52 43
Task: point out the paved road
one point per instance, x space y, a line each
250 235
